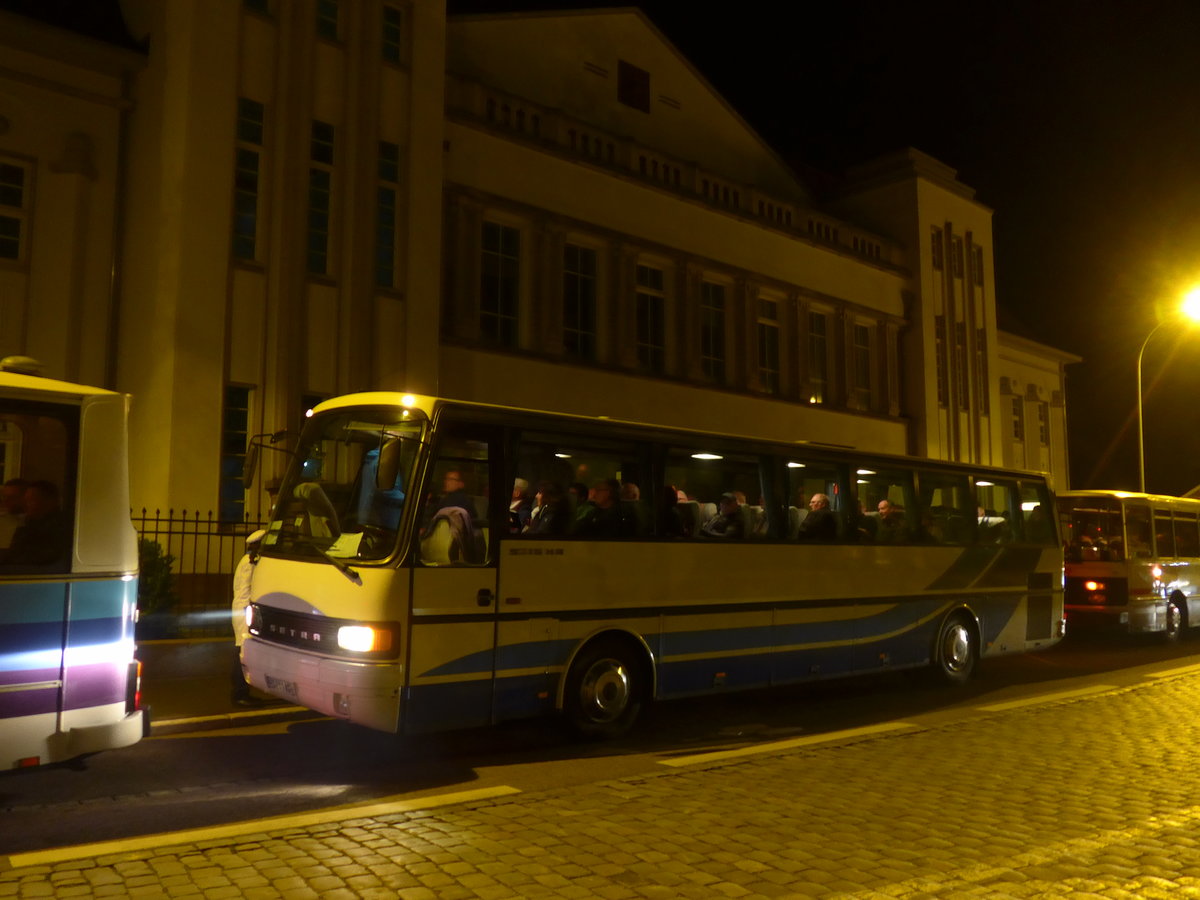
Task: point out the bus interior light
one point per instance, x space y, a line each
707 456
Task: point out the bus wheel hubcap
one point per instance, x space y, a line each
957 647
605 690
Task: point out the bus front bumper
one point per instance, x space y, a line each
365 693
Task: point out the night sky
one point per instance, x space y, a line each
1077 122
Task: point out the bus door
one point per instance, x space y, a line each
452 646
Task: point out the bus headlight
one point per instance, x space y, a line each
364 639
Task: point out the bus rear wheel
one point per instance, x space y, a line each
1175 622
604 691
955 652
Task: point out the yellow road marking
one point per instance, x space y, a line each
1048 698
255 826
791 743
1182 670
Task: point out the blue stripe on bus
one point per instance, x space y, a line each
899 624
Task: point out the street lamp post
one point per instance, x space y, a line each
1191 310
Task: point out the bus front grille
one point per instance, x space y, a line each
292 629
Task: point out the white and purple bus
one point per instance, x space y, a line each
69 683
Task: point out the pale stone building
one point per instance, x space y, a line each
545 210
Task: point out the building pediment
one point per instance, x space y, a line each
614 70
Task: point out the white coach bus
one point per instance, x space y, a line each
408 583
1132 561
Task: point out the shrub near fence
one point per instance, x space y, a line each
205 551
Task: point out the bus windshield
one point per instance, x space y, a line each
345 491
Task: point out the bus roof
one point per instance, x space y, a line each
1127 495
35 387
428 404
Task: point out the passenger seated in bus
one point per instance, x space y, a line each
730 521
671 515
820 523
41 540
520 506
603 518
550 514
633 510
454 493
579 502
993 529
892 527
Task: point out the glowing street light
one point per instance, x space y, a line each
1189 309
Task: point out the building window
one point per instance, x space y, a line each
956 256
651 320
235 431
863 382
247 160
1043 420
14 209
712 331
320 187
940 351
579 302
977 265
768 346
981 371
387 194
633 86
327 19
962 381
935 245
818 357
1018 419
499 284
391 34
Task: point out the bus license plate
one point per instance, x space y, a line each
279 686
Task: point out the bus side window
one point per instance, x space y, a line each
454 517
1187 535
945 508
1036 514
1164 536
1138 533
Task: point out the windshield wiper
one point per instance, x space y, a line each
340 566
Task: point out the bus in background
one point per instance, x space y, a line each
1132 561
69 683
435 564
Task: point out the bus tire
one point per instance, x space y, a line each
1176 621
604 690
956 650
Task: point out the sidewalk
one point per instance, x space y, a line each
186 685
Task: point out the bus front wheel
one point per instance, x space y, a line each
604 691
955 652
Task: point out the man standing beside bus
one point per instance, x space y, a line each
242 577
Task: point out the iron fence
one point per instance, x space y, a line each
203 551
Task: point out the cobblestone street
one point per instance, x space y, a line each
1087 797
